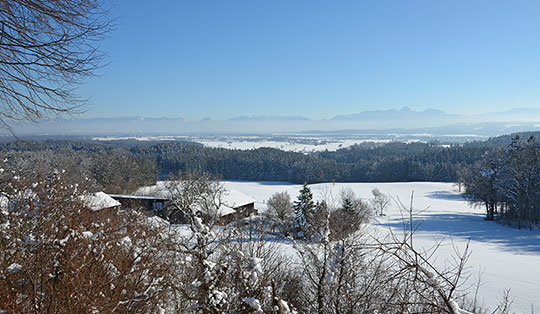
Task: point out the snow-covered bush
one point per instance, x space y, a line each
56 255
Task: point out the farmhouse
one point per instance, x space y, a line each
232 204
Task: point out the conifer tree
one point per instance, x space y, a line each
304 210
348 205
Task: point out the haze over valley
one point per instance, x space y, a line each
378 124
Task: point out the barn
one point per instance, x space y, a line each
141 202
233 204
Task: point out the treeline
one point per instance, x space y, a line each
384 163
507 182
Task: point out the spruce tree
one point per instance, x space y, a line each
304 209
348 205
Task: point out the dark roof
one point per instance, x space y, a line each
138 197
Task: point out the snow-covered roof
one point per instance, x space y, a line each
225 210
234 199
158 190
231 199
99 200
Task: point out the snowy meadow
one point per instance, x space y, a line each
501 257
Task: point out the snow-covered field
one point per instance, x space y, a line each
292 143
305 143
509 258
332 145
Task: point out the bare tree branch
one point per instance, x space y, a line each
47 49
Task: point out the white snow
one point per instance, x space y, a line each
158 222
508 257
4 202
287 145
234 198
13 268
125 241
284 306
87 234
254 303
255 264
291 142
99 200
219 296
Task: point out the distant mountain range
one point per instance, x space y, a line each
404 113
519 119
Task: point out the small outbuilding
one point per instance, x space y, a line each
236 205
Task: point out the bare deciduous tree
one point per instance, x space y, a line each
280 205
47 48
280 210
194 195
379 201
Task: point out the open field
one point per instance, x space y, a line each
507 257
299 142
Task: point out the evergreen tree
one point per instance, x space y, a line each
348 205
304 210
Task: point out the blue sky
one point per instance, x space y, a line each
225 58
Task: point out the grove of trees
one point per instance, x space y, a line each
507 182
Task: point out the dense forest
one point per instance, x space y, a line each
384 163
122 165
